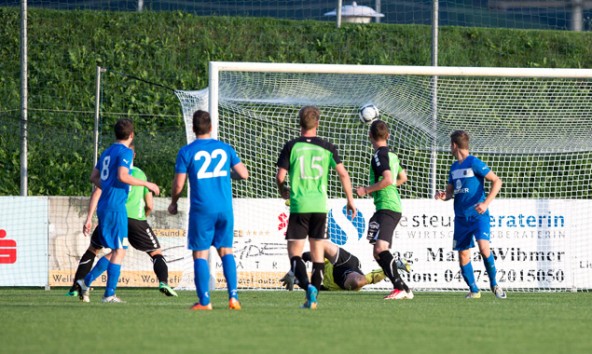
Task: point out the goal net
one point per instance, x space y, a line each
531 126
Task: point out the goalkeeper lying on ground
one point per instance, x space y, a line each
343 270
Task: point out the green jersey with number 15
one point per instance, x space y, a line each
308 161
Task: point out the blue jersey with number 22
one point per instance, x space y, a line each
208 163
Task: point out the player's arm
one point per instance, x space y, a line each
347 188
496 186
445 194
387 180
176 190
124 177
92 207
95 177
280 179
239 171
401 177
149 203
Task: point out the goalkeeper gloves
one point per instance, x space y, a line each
289 280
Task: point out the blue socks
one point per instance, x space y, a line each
113 271
97 270
202 279
469 277
229 266
490 267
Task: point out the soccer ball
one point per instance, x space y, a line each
368 113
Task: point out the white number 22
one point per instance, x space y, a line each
203 170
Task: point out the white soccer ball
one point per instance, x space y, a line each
368 113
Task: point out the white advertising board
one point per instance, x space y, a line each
536 243
23 241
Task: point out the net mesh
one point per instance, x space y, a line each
533 132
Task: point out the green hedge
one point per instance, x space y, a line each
173 49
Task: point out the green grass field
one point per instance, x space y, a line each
39 321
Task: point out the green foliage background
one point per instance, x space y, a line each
173 49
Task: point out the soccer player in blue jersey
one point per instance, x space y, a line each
466 185
139 205
209 163
308 160
111 174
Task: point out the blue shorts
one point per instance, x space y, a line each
113 229
210 229
466 228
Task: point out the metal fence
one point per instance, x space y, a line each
522 14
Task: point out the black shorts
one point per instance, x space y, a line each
382 226
140 236
345 264
301 225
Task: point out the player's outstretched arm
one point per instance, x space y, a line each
347 188
176 190
239 171
280 179
124 176
92 207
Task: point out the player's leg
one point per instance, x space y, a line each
317 238
489 262
200 236
463 242
86 263
380 233
142 238
114 231
466 270
113 274
230 274
296 236
223 242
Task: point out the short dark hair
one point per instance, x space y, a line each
123 128
379 130
309 116
460 138
202 123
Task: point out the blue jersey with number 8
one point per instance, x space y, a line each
114 192
208 163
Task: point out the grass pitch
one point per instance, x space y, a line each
39 321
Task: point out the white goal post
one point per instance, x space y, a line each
531 126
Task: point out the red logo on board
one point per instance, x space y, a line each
7 249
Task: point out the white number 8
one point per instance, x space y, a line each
105 168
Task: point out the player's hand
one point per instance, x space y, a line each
285 192
361 191
481 208
86 228
351 207
153 188
440 195
288 281
173 209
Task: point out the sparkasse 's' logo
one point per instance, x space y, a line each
338 221
7 249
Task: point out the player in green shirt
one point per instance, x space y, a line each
386 174
307 161
343 270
